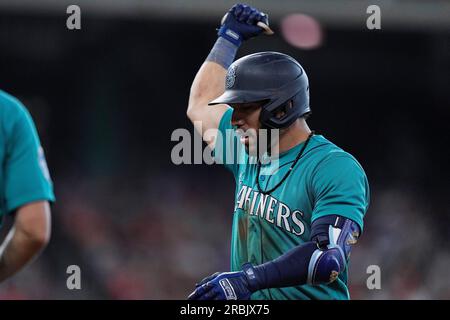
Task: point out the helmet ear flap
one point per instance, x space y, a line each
278 117
283 110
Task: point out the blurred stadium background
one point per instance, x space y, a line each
106 99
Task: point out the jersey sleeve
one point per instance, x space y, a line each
340 187
26 176
228 150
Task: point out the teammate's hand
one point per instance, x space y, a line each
240 23
226 286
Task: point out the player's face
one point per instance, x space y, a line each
246 119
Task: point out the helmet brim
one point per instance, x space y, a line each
239 96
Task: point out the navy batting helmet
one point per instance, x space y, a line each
272 77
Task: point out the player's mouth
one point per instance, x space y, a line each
246 137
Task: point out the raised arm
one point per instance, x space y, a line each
239 24
208 84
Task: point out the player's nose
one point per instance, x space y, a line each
237 120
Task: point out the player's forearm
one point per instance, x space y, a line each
18 249
29 235
319 261
209 83
290 269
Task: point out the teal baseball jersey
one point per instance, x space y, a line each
24 176
325 181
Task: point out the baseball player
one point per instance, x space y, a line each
25 187
295 221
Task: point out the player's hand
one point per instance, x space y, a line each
226 286
243 22
223 286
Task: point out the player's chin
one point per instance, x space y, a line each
251 147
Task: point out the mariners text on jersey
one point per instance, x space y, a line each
270 209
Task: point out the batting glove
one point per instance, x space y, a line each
240 23
227 285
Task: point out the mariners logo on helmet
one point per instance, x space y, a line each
231 76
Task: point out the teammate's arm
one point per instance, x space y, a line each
319 261
26 189
209 83
26 239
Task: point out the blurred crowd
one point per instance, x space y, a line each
406 238
153 243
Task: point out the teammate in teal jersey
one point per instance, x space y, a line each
296 218
25 187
